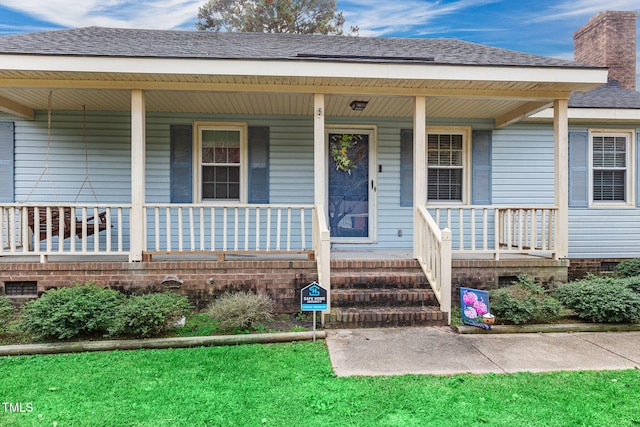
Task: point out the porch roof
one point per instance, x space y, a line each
256 73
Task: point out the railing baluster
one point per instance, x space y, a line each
192 237
268 246
156 225
257 228
96 230
534 229
246 229
473 229
236 236
120 235
224 229
213 228
485 229
288 229
279 226
169 227
461 228
180 230
201 223
303 231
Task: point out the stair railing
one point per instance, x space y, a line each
433 252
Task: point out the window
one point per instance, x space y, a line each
446 154
610 171
222 156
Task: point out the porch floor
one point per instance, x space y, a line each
337 254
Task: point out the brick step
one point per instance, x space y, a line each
377 265
382 297
378 279
385 317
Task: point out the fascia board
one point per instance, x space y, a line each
298 68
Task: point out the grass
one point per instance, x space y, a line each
293 384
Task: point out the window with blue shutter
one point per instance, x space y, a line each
6 162
481 167
258 164
181 164
406 167
578 169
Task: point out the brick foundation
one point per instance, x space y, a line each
485 274
203 280
579 268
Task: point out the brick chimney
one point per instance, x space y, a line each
609 40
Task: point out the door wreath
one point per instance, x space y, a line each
344 151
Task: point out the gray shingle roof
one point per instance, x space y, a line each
116 42
610 95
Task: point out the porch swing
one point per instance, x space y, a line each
62 221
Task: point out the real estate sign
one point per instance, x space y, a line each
313 298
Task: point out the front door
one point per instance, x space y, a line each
351 186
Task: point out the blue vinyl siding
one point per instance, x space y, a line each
604 233
522 165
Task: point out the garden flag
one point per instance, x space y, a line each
474 305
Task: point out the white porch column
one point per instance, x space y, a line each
319 151
561 178
419 166
138 142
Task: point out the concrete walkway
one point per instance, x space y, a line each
441 351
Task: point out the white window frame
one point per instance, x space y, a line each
629 199
465 131
242 128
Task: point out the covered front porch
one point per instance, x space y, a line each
156 193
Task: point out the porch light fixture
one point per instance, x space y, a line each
358 105
171 281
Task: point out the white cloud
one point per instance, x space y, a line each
584 8
399 17
160 14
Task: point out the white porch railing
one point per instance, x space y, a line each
54 229
499 229
322 250
176 228
434 256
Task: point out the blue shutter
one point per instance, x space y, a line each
258 164
481 167
406 167
6 162
181 164
578 169
638 168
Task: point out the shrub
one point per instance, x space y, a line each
602 299
148 315
629 268
68 312
523 302
241 309
6 312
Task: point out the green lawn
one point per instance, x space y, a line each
293 385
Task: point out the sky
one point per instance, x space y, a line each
543 27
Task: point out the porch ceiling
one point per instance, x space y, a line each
279 95
257 103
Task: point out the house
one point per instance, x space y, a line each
267 161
